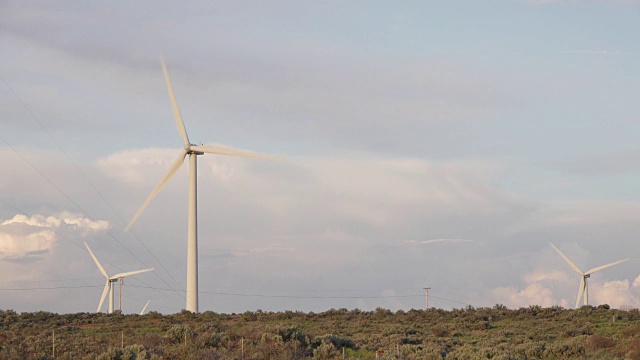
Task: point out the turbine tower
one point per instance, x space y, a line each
192 229
108 286
584 287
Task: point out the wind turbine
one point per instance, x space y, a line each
192 229
108 286
584 287
145 307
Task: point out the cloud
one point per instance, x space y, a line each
590 52
545 2
594 213
611 163
534 294
552 287
547 277
436 241
276 249
375 104
133 166
615 293
27 237
20 246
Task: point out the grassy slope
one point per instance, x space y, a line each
498 333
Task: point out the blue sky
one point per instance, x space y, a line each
439 144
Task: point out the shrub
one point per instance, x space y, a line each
634 350
326 351
597 342
179 333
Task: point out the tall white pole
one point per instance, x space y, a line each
427 297
192 239
110 297
121 281
586 292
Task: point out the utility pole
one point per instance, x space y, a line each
427 292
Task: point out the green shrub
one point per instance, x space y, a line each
440 331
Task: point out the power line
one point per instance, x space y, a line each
312 290
295 296
81 209
92 185
86 178
455 301
50 288
247 295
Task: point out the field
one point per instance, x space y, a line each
469 333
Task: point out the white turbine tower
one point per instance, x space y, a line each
192 230
108 286
584 287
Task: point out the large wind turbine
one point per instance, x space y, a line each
584 287
192 231
108 286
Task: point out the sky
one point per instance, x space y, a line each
439 144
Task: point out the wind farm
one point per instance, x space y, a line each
427 149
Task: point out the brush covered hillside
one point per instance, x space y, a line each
469 333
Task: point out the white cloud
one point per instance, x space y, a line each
591 52
615 293
547 277
36 220
534 294
23 236
436 241
17 246
552 287
138 166
84 224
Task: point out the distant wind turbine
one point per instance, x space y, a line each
108 286
192 230
584 287
145 307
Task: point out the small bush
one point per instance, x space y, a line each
597 342
440 331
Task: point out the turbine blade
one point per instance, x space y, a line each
104 295
573 266
172 170
125 274
226 150
174 105
145 307
606 266
95 259
580 290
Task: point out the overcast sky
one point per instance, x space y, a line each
437 144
